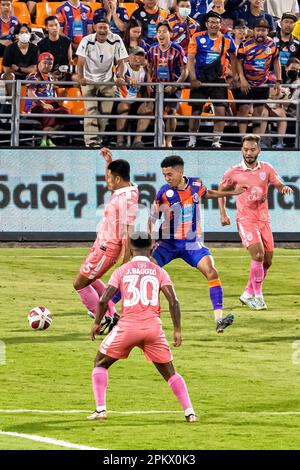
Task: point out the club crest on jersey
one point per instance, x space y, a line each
67 9
170 193
268 50
262 175
292 47
84 16
202 40
195 198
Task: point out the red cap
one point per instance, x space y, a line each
46 56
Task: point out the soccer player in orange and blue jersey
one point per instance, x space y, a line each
180 235
140 282
253 218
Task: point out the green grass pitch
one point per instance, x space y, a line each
244 384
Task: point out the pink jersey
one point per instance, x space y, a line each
118 214
140 281
253 203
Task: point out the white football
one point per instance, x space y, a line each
39 318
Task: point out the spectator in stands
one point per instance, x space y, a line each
116 15
207 62
167 63
276 110
57 44
276 8
256 58
226 16
135 74
182 25
133 36
239 32
293 78
7 25
288 45
150 15
76 20
97 55
44 90
167 5
200 7
20 57
255 12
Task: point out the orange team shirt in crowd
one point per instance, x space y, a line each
140 281
253 203
118 214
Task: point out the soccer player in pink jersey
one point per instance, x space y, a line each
253 219
118 220
140 282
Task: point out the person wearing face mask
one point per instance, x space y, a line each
182 25
287 44
20 57
293 78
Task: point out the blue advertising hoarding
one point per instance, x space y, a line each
58 194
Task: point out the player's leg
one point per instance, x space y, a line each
207 268
164 252
88 283
257 253
196 93
178 387
100 381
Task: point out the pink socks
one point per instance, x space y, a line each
179 388
257 277
91 294
250 285
100 381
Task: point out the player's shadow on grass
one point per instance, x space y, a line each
46 338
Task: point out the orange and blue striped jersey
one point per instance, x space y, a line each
182 31
74 21
180 209
257 60
7 28
166 65
207 50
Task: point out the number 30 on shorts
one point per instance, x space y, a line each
140 294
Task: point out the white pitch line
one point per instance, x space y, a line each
215 256
148 412
48 440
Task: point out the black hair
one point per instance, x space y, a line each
164 23
19 26
120 168
174 160
141 240
212 14
133 23
50 18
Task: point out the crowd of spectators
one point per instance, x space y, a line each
253 46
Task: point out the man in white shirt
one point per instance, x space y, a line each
276 8
98 54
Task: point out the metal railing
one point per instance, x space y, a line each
158 117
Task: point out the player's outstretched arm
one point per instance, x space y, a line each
174 308
215 194
101 309
284 189
106 154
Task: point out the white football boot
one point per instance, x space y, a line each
98 415
249 301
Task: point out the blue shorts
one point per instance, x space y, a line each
190 252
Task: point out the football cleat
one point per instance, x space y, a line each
114 321
91 315
260 304
191 418
249 301
98 415
224 323
105 325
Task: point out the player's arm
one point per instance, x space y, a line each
215 194
101 309
174 308
127 251
225 220
284 189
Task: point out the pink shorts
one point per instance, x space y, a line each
148 336
99 260
256 232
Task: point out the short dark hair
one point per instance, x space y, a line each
50 18
174 160
120 168
19 26
251 138
141 240
163 23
